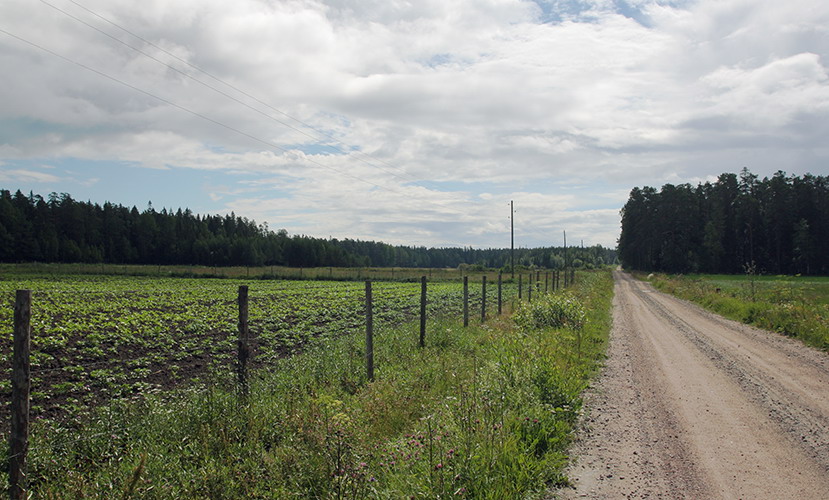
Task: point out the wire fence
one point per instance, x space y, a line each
149 340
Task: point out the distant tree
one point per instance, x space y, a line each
778 224
60 228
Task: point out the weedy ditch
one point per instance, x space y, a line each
481 412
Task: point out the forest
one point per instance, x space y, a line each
60 229
737 224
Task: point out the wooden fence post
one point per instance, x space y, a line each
483 299
21 387
519 286
423 311
530 288
466 301
546 282
369 334
243 342
499 294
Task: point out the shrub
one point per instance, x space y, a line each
562 310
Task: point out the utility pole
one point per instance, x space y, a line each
512 239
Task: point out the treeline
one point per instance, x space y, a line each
777 225
61 229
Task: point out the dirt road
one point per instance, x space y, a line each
691 405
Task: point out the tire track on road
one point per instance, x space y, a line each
690 405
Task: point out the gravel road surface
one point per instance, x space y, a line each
691 405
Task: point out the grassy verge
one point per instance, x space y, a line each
794 306
481 412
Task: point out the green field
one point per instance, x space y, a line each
797 306
97 337
481 412
811 289
261 272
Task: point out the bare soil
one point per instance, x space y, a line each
691 405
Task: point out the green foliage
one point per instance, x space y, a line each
561 310
796 307
480 412
777 225
61 229
98 337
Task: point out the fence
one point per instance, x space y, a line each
21 361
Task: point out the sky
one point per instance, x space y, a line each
410 122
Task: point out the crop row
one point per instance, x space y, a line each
99 337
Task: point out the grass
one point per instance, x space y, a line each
482 412
795 306
95 337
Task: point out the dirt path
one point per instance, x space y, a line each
691 405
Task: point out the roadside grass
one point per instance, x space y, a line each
481 412
792 305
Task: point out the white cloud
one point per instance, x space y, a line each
12 176
772 95
480 100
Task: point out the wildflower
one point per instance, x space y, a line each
439 466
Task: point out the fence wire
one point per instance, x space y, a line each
274 329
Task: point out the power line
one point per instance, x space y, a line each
269 144
401 175
229 85
205 117
219 123
190 111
